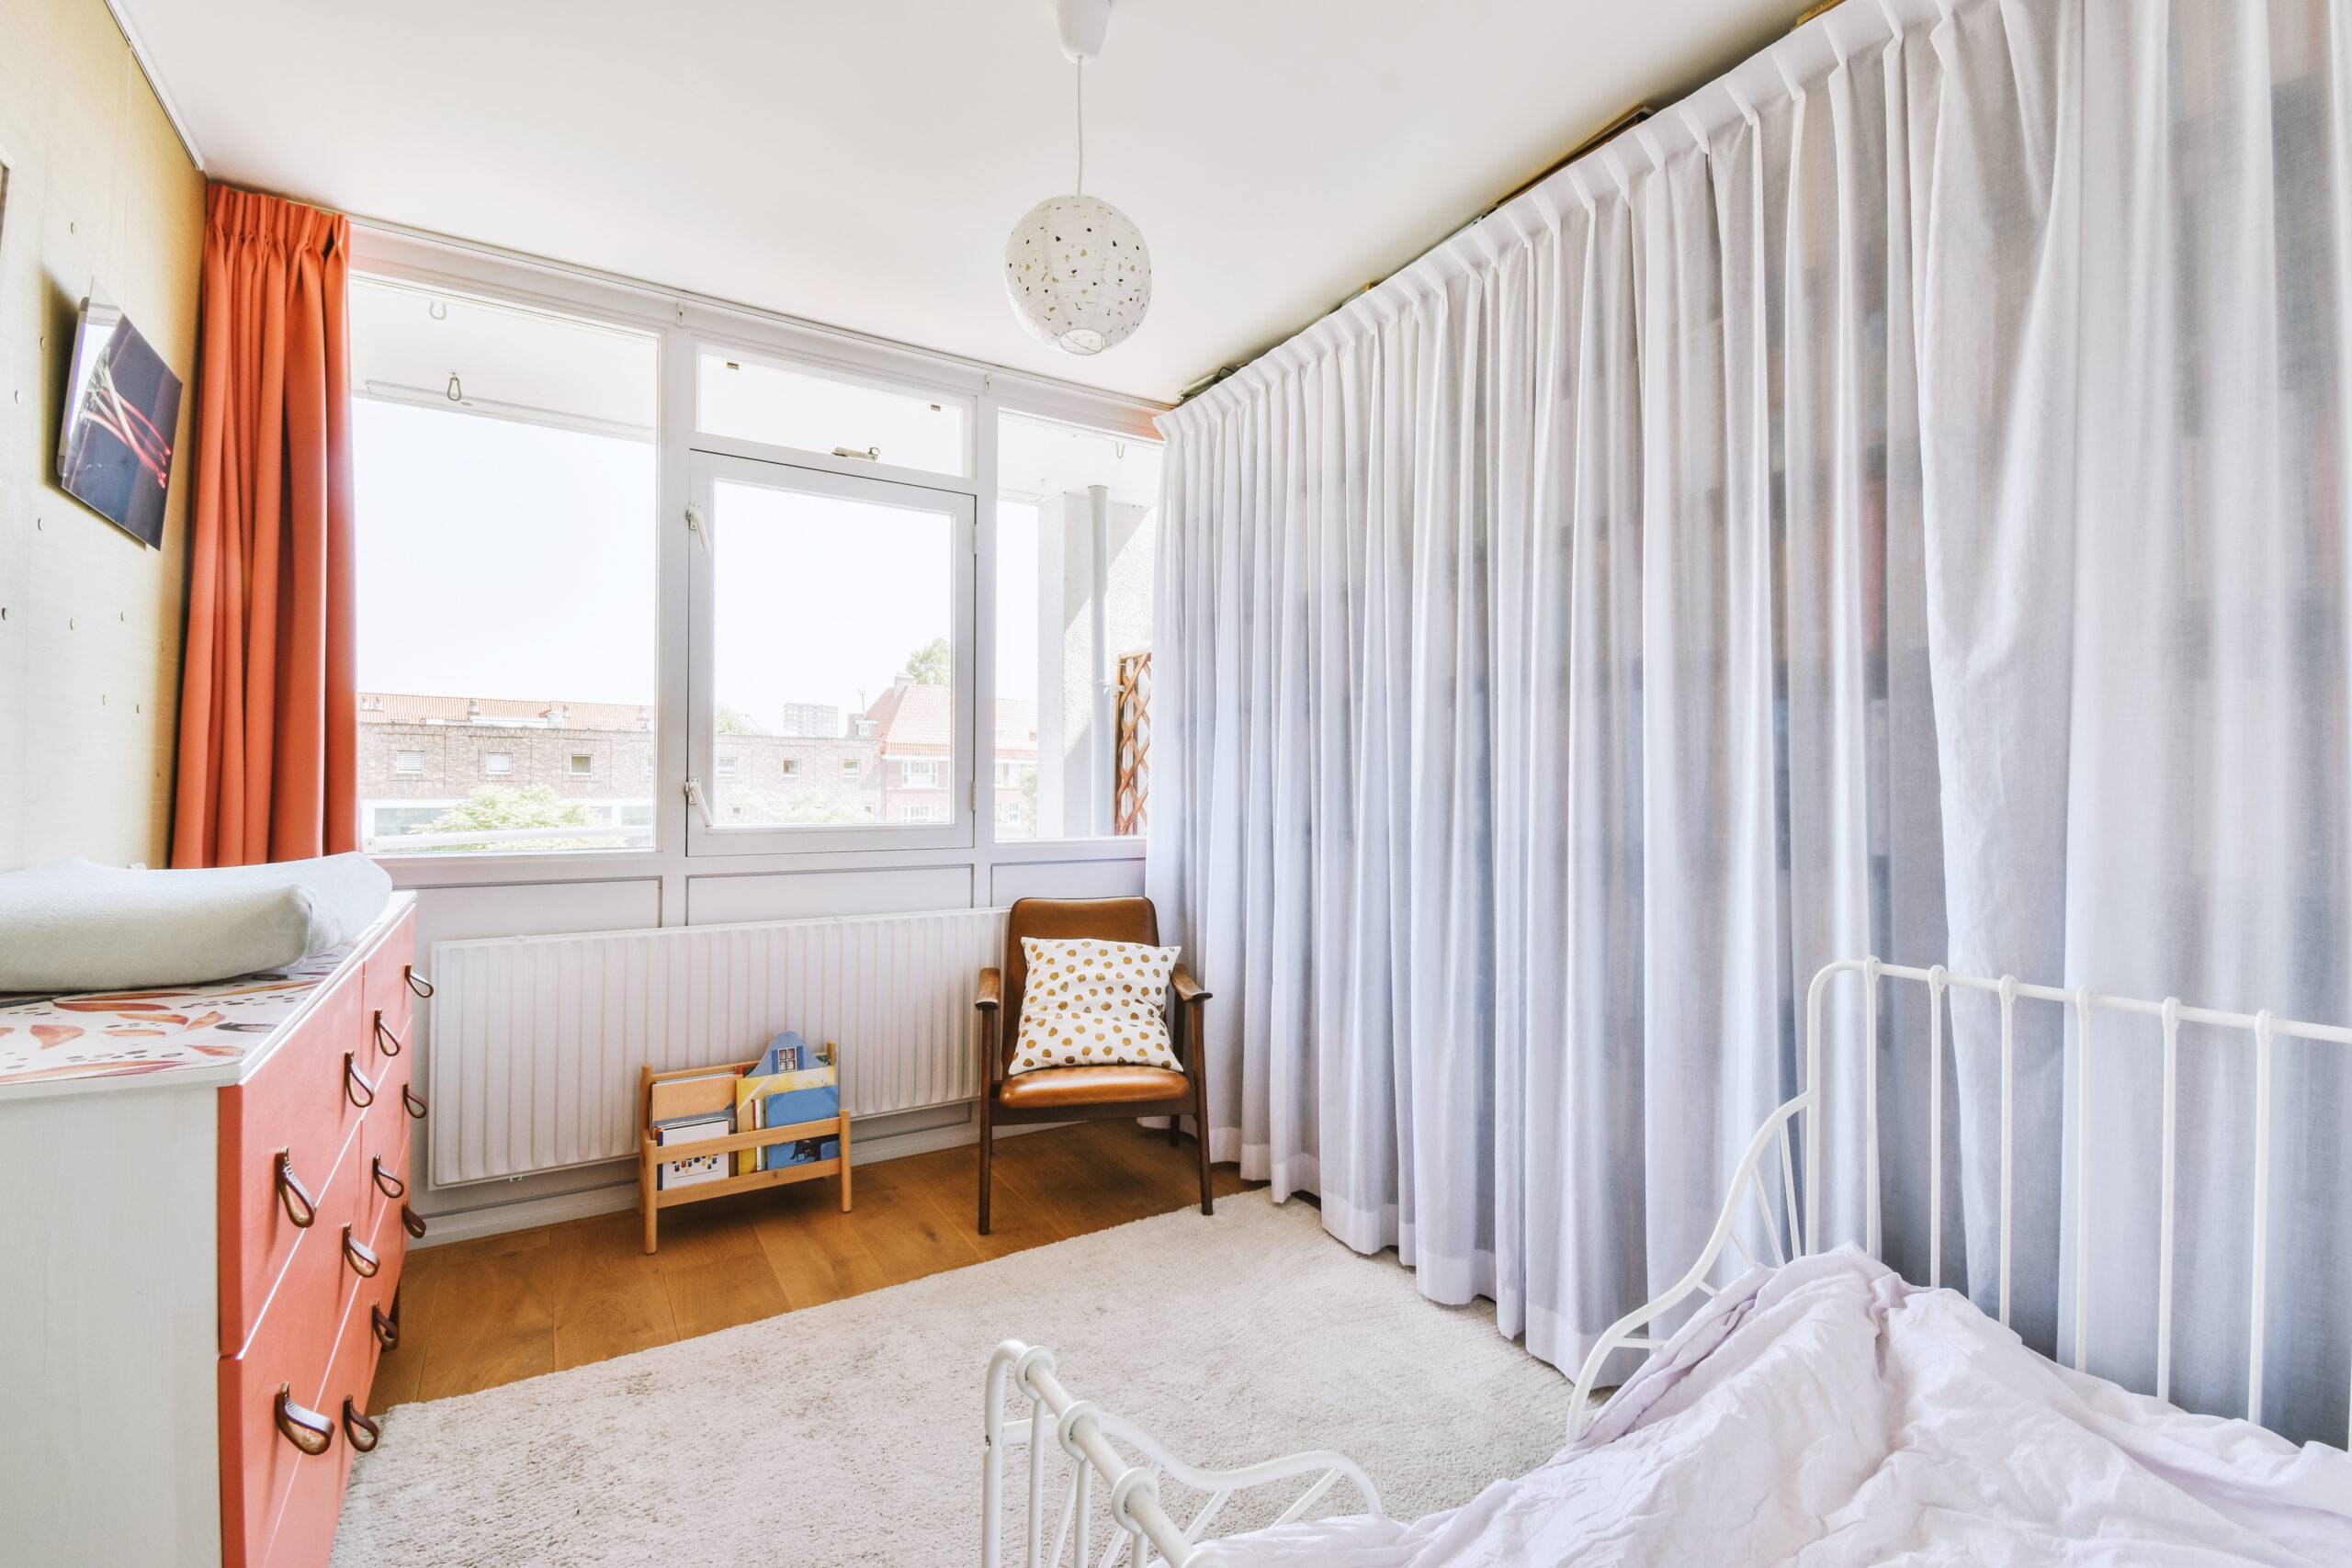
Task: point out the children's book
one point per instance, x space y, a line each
747 1120
693 1169
705 1094
796 1083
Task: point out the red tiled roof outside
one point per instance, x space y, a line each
913 718
909 718
404 708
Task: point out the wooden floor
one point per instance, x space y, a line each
476 1313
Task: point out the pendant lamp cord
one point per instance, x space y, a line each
1080 188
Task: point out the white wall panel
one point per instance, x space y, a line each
1065 879
802 895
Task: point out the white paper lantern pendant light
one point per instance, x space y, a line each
1075 266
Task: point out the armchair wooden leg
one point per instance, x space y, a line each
988 1150
1174 1123
1201 1135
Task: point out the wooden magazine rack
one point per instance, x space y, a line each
653 1197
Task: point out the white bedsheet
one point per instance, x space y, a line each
1828 1413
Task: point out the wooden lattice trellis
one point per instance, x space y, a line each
1132 793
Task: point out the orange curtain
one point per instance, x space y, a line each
269 719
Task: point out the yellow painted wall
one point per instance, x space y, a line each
100 191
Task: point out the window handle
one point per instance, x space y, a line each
698 522
696 798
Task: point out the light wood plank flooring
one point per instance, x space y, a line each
478 1313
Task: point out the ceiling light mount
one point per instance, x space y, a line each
1082 24
1075 266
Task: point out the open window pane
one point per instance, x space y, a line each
832 670
755 400
504 464
1076 527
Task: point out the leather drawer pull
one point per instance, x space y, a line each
409 1099
385 1037
412 1222
360 1256
302 1209
306 1430
388 1328
390 1186
355 1082
363 1433
416 982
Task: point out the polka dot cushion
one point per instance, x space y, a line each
1089 1004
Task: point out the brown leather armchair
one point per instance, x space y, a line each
1073 1094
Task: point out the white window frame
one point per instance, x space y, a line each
708 835
505 773
930 776
400 768
681 323
1109 422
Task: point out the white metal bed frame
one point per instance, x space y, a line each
1143 1531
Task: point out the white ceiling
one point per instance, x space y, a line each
859 163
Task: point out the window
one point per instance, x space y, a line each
827 601
727 766
792 767
1076 526
923 811
780 405
504 460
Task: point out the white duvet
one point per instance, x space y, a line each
1828 1413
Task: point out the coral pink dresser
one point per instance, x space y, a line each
202 1222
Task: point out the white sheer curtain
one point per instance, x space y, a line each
1891 503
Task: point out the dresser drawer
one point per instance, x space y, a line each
291 1347
302 1105
386 993
305 1533
384 1142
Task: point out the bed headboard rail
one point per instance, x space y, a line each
1752 1183
2264 1027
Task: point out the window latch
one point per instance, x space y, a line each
871 454
700 802
698 525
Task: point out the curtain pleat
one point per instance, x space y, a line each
268 712
1891 506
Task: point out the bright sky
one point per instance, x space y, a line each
500 558
820 599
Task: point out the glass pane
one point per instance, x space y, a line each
832 669
504 466
1074 589
755 399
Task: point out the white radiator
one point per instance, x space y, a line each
537 1040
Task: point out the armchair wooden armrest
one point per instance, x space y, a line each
1188 990
990 997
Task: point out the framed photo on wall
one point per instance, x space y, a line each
122 414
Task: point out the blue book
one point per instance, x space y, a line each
814 1095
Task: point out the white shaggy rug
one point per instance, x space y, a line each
849 1433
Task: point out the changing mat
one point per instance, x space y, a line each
77 926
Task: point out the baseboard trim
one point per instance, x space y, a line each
620 1193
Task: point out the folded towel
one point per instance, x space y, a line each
77 926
